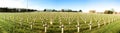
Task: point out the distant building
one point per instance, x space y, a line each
115 12
92 11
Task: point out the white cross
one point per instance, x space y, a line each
51 22
60 22
62 28
45 25
78 22
69 22
98 24
78 28
85 22
104 22
90 25
31 24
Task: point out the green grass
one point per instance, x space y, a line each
21 22
111 28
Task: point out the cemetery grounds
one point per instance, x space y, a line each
59 22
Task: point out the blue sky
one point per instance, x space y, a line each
85 5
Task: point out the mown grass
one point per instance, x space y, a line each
21 22
110 28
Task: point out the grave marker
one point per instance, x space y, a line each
62 28
104 22
31 25
51 21
98 22
78 22
85 22
45 26
69 21
60 21
90 25
78 28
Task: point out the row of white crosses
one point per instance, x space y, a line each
51 22
51 19
112 19
62 28
69 21
42 20
78 25
78 28
84 20
21 22
90 24
98 22
44 24
61 25
29 22
104 21
45 27
32 23
60 21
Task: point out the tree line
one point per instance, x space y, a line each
6 9
69 10
62 10
16 10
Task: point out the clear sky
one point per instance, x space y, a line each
85 5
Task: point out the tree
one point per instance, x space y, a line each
108 12
62 10
80 10
92 11
54 10
44 10
112 10
69 10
